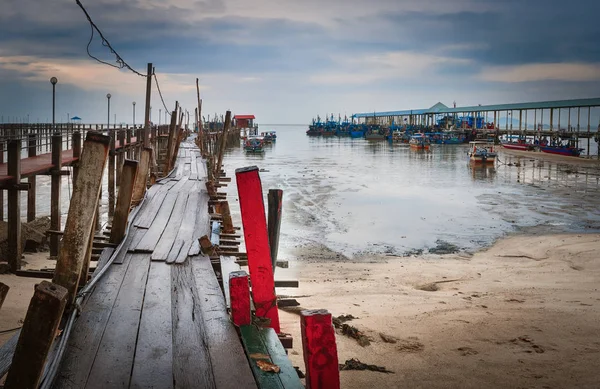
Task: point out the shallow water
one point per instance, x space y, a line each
359 197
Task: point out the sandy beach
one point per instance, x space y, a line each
521 314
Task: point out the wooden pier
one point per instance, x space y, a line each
168 304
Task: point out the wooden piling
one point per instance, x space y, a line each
31 152
76 154
170 141
2 190
120 154
111 175
14 205
38 332
119 224
239 293
227 221
320 350
3 292
223 142
257 244
275 200
84 202
139 186
55 185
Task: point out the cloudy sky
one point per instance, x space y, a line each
288 60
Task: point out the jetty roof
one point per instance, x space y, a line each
244 117
440 108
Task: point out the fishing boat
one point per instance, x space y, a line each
269 136
254 144
375 132
520 144
357 131
419 141
568 150
482 152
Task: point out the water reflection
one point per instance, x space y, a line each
355 196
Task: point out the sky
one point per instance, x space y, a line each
287 60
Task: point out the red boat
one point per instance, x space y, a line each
562 150
518 146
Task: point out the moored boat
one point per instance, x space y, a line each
254 144
419 141
562 150
482 152
520 144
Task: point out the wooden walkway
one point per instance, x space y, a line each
158 318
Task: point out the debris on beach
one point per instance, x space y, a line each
387 338
267 366
339 320
465 351
355 364
353 332
442 247
410 345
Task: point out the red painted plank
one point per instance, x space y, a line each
239 294
257 244
36 165
320 350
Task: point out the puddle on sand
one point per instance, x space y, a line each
358 197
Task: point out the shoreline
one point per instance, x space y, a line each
521 313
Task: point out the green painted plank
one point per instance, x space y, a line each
287 375
254 344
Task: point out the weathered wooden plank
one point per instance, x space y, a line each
103 260
229 364
87 334
36 337
193 167
153 364
319 349
114 359
191 359
287 373
165 243
228 265
257 244
183 240
257 350
7 350
139 187
214 232
275 201
152 236
148 212
202 225
179 185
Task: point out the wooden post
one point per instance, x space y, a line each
320 350
139 186
275 200
226 214
170 141
119 225
120 154
146 136
55 193
4 291
31 152
223 142
129 148
84 202
85 267
200 129
257 244
111 174
76 154
38 332
239 293
14 205
2 190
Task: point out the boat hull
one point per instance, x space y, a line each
521 147
357 134
375 137
569 152
419 147
477 159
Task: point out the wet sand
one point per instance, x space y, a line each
521 314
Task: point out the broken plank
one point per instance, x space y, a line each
103 260
228 265
196 204
165 243
229 364
152 236
149 211
114 360
153 364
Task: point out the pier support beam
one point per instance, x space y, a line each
551 119
76 154
37 335
2 190
139 186
520 120
55 185
257 244
84 202
275 200
145 138
111 174
319 349
119 224
14 205
31 152
239 294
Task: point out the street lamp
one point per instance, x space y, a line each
53 81
159 115
133 114
108 96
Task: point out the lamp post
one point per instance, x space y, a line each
108 96
159 115
53 81
133 114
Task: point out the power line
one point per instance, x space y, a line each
159 93
120 61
